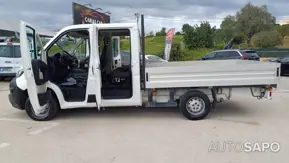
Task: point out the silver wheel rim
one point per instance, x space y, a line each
195 106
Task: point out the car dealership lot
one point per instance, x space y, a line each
123 135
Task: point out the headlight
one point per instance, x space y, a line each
19 72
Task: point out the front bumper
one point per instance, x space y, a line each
17 97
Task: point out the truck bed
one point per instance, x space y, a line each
211 73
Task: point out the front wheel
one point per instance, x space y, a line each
195 105
49 113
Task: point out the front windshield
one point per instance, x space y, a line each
73 42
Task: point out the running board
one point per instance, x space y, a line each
161 104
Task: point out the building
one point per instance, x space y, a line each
10 27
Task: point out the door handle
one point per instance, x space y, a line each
92 69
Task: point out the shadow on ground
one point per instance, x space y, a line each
224 110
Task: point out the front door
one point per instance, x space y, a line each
35 70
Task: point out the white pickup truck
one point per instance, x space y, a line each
52 80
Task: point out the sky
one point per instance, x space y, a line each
55 14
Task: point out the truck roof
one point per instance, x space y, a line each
106 26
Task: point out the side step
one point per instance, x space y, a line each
161 104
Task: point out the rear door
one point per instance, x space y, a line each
35 70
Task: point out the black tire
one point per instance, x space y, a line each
50 113
199 102
2 78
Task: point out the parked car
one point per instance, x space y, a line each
272 59
125 58
284 64
232 54
153 58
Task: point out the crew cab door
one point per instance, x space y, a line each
34 67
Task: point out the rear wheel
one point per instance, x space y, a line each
195 105
49 113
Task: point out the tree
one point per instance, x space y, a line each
198 36
151 34
162 32
254 19
176 54
178 33
283 30
229 28
268 39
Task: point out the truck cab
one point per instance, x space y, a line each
54 75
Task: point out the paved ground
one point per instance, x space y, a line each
147 135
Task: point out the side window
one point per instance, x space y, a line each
17 52
31 42
115 47
73 42
227 54
221 54
234 54
210 55
104 39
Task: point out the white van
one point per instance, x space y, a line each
10 59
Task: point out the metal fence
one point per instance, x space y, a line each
272 52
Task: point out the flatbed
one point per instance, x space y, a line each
212 74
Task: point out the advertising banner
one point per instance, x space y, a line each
85 15
168 43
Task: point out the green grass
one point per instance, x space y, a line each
155 46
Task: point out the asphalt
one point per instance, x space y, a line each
130 135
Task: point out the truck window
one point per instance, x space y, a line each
114 47
73 42
6 51
125 43
30 32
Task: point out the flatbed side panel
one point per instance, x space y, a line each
211 73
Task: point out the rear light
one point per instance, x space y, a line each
270 94
245 58
9 43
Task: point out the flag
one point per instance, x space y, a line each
168 43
